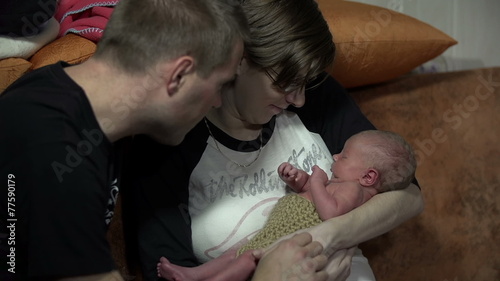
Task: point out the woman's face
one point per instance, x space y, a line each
256 100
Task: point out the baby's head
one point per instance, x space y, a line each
386 160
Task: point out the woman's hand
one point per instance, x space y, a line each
339 264
378 215
297 258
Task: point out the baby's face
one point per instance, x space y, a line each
349 164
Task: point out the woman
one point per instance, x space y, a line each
217 192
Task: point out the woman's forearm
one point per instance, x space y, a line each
378 215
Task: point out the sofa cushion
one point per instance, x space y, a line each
70 48
11 69
451 119
375 44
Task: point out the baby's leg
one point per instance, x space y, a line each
174 272
240 269
205 271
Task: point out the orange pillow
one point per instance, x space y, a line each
11 69
70 48
375 44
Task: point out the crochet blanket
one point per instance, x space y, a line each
292 212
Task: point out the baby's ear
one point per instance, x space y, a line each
370 177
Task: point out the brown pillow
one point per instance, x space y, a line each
70 48
375 44
11 69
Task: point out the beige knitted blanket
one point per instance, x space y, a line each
291 213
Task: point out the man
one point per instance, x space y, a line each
157 70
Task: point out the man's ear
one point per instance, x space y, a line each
243 66
370 177
181 67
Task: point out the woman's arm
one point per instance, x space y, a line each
378 215
155 202
339 236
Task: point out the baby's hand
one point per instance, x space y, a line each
288 173
319 175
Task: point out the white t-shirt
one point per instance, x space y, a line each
229 205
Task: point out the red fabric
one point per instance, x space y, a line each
87 18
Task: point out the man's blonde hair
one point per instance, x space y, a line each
141 33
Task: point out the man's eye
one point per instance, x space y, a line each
291 88
226 85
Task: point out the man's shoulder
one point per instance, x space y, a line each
47 89
43 76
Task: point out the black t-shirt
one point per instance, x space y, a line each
59 162
162 176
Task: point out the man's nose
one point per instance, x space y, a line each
297 98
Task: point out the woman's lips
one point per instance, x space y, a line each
276 109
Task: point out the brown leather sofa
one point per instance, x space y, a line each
452 120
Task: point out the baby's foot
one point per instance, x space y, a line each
169 271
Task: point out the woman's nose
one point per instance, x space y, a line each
335 157
297 97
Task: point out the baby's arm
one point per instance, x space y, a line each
329 205
293 177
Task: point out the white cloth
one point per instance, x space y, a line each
25 47
229 206
360 268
